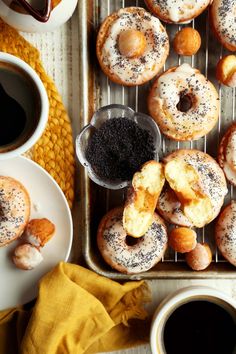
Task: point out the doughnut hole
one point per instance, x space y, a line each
200 257
226 71
132 241
182 239
187 41
132 43
185 103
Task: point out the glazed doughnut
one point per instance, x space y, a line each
225 233
130 259
15 209
132 46
169 207
227 154
223 22
177 11
184 103
27 256
211 177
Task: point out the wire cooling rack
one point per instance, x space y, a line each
99 91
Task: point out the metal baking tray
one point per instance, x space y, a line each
96 90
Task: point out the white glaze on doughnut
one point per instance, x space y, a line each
165 96
131 259
226 233
14 209
169 207
136 70
179 10
223 17
211 175
27 256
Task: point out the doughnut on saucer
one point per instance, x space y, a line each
222 15
177 11
184 104
135 257
227 154
225 232
15 209
132 46
211 179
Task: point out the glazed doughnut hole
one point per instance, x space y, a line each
27 256
200 257
226 71
132 43
187 41
182 239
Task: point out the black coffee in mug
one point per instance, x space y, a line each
200 327
19 107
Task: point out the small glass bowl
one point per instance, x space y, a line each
99 117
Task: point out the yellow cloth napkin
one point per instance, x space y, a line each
77 311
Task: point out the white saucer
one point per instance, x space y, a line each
17 287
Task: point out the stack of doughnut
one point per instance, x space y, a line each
15 208
188 188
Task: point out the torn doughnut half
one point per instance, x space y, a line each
185 181
142 198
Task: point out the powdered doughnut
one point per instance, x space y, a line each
132 46
223 22
212 180
15 209
225 234
184 103
177 11
130 259
227 154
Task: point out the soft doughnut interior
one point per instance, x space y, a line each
142 199
184 180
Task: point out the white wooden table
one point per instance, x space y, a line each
59 52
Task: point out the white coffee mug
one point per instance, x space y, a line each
174 301
21 84
15 17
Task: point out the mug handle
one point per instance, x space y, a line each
40 15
